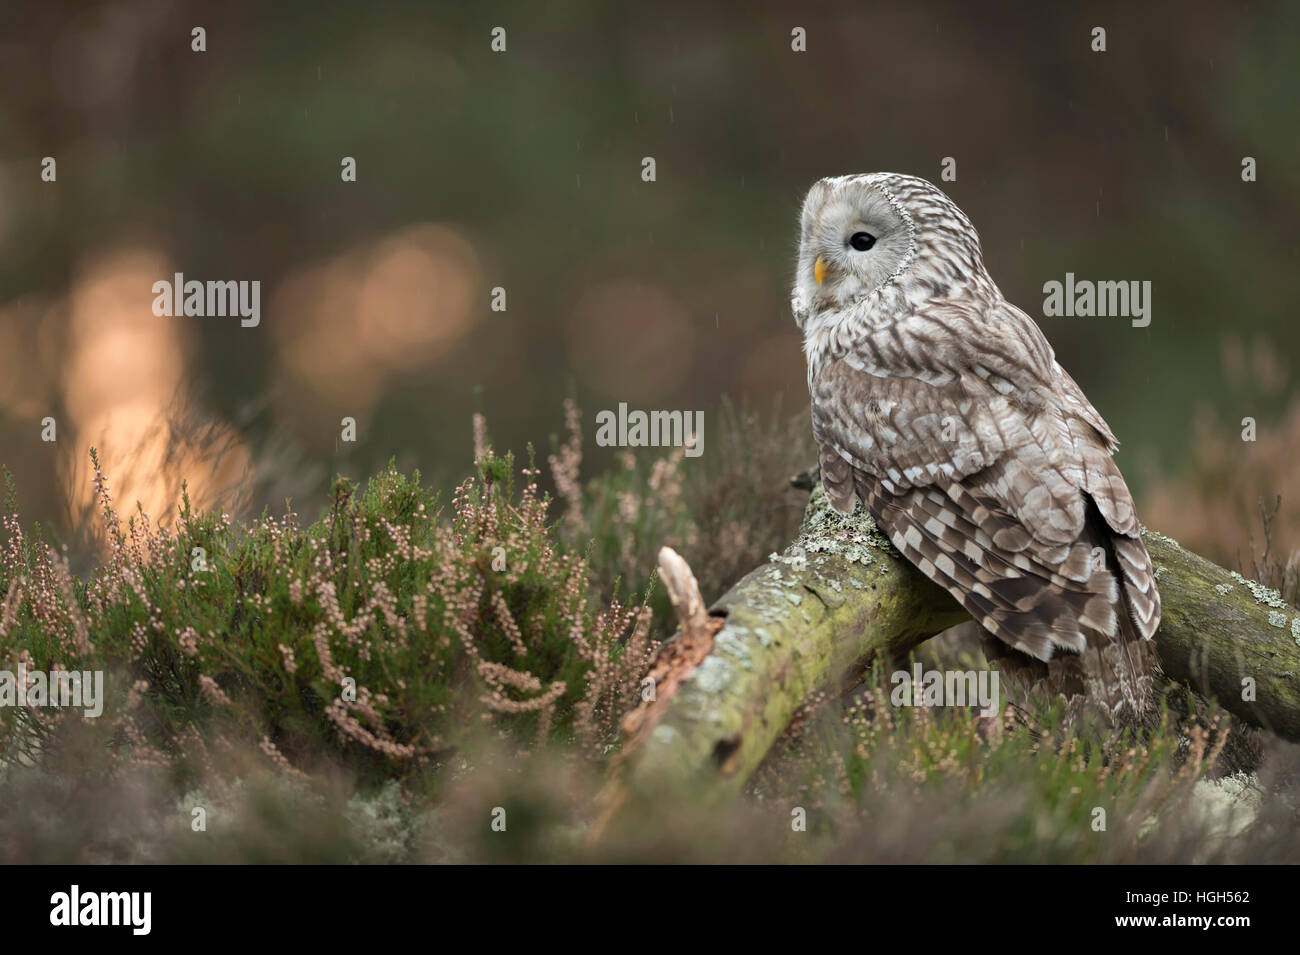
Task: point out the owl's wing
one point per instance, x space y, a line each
988 469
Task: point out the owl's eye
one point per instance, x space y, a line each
862 241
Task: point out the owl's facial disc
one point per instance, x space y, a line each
854 240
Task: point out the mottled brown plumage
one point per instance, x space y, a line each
941 407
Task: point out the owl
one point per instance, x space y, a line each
941 407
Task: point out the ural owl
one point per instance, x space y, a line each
941 406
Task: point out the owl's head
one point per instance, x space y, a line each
859 234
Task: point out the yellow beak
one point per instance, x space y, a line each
820 269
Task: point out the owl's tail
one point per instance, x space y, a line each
1115 672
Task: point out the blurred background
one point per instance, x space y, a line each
522 170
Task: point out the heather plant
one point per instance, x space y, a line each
377 637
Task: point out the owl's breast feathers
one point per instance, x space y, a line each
986 466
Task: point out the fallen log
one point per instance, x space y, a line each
841 596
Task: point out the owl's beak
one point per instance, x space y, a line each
820 268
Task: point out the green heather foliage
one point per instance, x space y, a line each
382 634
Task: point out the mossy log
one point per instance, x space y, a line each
840 596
